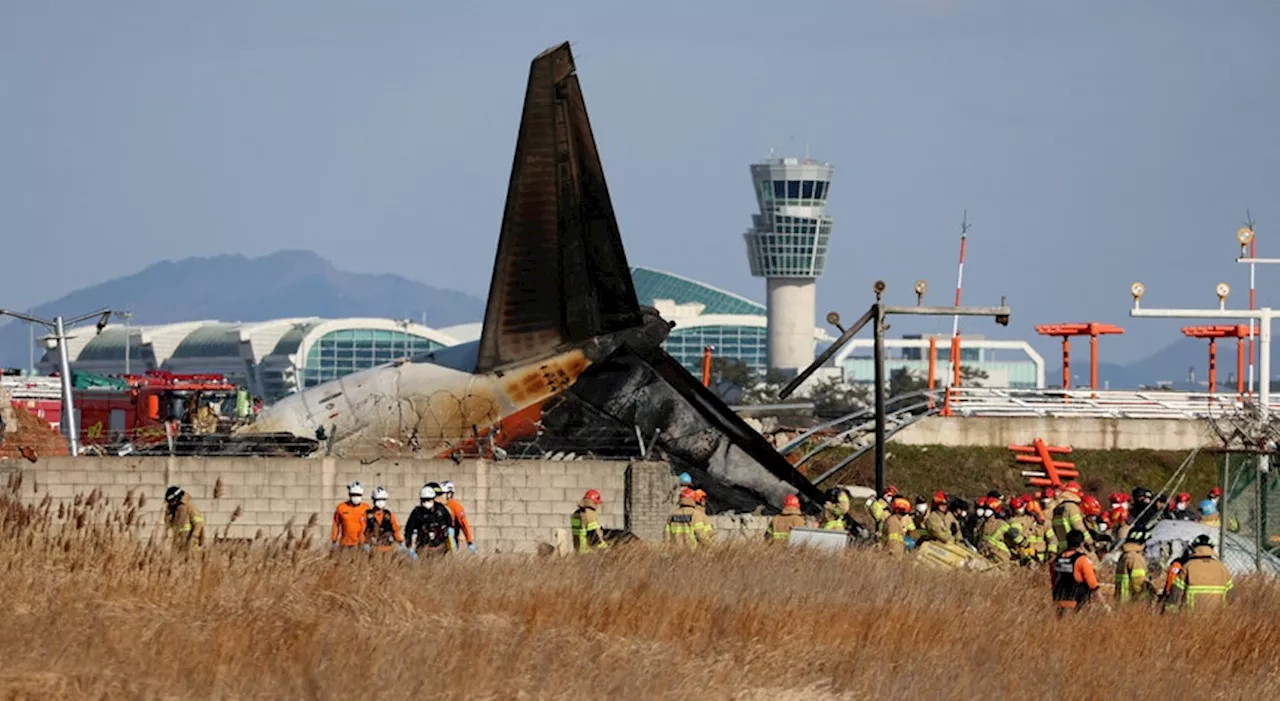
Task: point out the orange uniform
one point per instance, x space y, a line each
348 524
1073 580
381 530
460 516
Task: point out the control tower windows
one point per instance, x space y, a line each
820 190
806 189
780 189
793 189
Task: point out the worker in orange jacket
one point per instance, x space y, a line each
463 533
381 531
349 519
1072 577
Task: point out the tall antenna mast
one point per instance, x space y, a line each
1253 253
955 321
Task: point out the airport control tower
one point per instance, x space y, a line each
787 245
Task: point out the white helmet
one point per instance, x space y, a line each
380 493
448 487
427 494
355 489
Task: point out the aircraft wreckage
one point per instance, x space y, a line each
562 322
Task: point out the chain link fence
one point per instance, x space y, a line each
1250 510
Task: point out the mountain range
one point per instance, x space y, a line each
238 288
301 283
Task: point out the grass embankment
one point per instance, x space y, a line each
971 472
93 612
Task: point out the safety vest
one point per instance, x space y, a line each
1065 586
1064 523
580 529
680 527
879 512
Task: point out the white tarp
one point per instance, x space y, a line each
1169 539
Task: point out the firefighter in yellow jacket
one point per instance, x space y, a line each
588 536
780 526
893 534
1068 515
1131 570
997 534
1204 582
939 524
183 519
688 526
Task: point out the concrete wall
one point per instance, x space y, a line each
513 505
1077 432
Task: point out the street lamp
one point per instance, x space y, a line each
1263 316
58 326
878 312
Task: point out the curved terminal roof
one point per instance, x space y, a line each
652 285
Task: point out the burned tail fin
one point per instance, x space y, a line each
561 275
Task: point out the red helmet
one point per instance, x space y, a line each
1074 487
791 501
699 497
1215 492
1090 506
891 491
900 506
1017 503
1184 498
686 493
592 495
1049 493
993 503
939 498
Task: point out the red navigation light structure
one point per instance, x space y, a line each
1240 332
1091 329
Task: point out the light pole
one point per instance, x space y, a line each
59 326
1263 316
1248 241
878 312
125 316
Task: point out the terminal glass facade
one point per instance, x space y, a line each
343 352
744 343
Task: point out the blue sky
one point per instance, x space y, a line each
1093 143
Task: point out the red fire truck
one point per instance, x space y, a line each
136 408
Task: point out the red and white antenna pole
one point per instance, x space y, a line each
955 321
1253 267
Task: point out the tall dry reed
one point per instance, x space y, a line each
94 610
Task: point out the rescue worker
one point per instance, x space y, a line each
431 527
1095 526
1025 524
1209 514
1071 576
996 534
780 526
1131 571
462 532
880 507
1203 583
939 524
1068 516
588 536
833 511
894 533
348 519
1216 495
1181 508
183 518
1049 502
381 531
700 506
1040 528
687 526
1140 509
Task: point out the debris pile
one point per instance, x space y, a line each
23 435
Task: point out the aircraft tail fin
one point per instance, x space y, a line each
561 274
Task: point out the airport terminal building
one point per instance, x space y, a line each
270 358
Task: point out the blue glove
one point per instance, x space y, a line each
472 548
366 548
413 554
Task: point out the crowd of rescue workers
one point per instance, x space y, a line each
1065 530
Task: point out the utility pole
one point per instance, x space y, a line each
59 326
877 313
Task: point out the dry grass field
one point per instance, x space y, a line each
95 612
